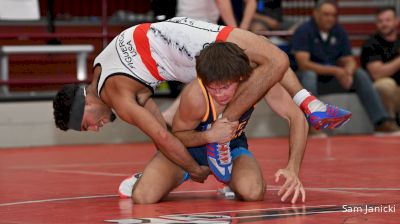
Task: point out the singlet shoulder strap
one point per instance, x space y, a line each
210 103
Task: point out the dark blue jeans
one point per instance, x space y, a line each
362 86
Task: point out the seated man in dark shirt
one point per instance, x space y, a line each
381 57
323 54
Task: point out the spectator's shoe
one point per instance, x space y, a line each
126 186
332 117
226 191
220 161
388 127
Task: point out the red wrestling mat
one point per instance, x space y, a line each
344 177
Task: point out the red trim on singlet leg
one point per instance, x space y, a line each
224 33
143 48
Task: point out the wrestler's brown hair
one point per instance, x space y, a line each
222 62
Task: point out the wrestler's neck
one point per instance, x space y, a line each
93 98
91 89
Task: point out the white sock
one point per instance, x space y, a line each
315 105
301 96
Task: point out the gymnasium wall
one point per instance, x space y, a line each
31 124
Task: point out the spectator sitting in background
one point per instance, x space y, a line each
323 54
380 55
243 12
269 16
207 10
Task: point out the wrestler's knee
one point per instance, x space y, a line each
250 190
142 195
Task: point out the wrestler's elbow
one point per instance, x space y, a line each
166 140
281 63
276 62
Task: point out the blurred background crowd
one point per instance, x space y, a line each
343 46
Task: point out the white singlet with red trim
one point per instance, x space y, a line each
173 45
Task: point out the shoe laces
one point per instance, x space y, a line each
224 153
332 110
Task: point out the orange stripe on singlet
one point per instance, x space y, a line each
214 112
206 95
203 89
143 48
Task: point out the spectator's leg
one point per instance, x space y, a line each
388 90
309 80
369 97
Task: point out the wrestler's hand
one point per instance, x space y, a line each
222 130
291 185
201 174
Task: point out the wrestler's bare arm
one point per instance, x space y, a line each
120 95
152 107
191 110
271 64
280 102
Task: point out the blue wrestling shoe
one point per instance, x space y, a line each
220 161
332 117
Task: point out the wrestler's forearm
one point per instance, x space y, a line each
253 89
281 103
192 138
174 150
167 143
298 130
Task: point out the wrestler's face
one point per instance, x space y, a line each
386 22
222 92
96 116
